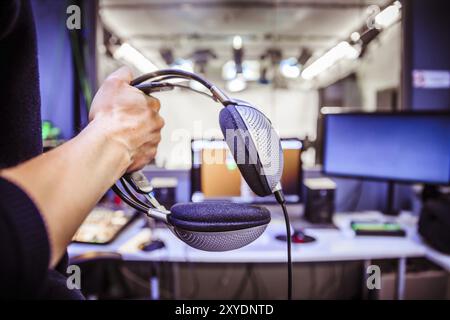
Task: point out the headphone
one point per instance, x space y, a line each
256 148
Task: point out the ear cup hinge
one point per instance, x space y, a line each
220 96
158 214
141 185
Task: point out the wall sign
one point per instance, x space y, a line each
431 79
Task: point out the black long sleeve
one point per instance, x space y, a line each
24 246
20 109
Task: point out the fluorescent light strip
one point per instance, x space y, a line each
340 51
132 56
389 15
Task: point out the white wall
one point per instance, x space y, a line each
381 66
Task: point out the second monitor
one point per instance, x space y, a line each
215 175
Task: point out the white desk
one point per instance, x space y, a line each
331 245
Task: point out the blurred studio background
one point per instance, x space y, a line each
359 92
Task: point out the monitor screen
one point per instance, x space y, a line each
411 147
215 174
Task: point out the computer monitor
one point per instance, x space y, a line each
215 175
404 146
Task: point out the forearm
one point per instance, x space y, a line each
67 182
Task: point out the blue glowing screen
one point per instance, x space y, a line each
402 147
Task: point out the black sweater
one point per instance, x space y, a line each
24 245
20 126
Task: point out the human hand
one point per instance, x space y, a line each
129 117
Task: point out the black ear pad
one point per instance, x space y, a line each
230 119
217 216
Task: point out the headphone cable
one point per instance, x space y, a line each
280 199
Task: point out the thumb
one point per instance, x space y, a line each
124 73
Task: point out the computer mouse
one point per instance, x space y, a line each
297 237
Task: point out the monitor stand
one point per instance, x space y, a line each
390 206
428 192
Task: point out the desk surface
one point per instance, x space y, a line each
331 245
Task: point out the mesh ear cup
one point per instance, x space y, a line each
255 146
217 216
218 226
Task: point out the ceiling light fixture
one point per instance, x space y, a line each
340 51
289 68
229 70
355 36
183 64
131 55
250 70
237 84
237 42
388 16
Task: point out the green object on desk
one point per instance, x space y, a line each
377 228
49 131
